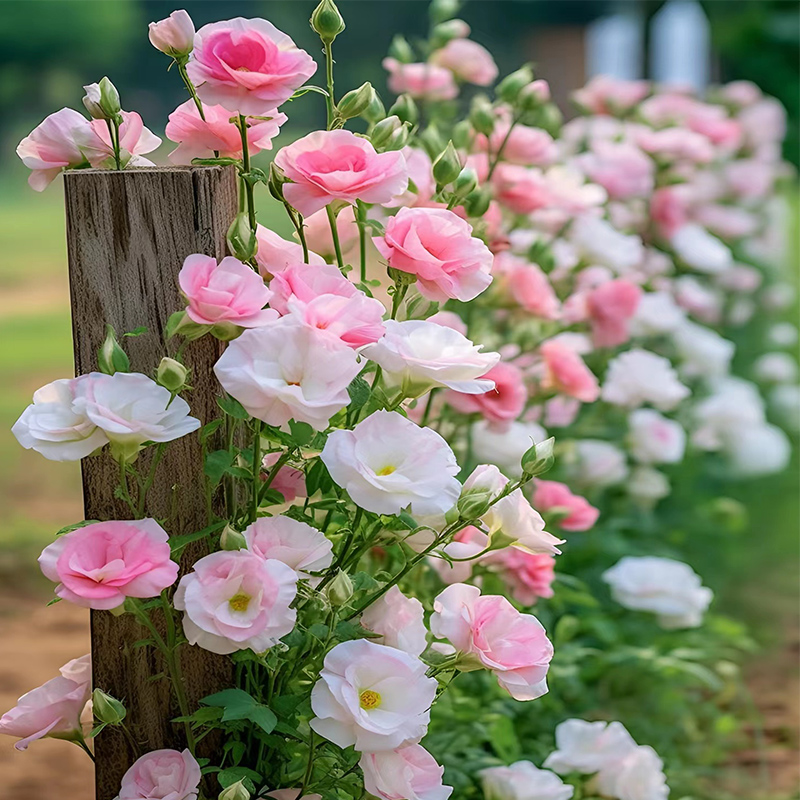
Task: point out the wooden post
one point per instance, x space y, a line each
127 236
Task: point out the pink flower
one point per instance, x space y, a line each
53 709
554 497
338 165
235 600
373 697
621 168
226 292
410 773
513 646
676 144
162 775
399 620
99 565
501 405
527 285
318 233
438 247
560 411
566 372
173 35
288 370
247 65
56 143
468 60
421 175
289 482
199 138
274 254
606 95
529 575
449 319
611 306
520 189
523 145
669 210
134 140
294 543
421 81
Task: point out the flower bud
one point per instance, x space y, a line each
482 116
340 589
226 331
449 30
405 109
112 357
241 237
356 102
550 118
432 141
537 91
463 135
476 203
542 254
443 10
102 100
171 374
106 708
326 21
375 111
401 49
466 182
451 515
173 35
538 458
231 539
236 791
276 181
474 504
382 131
447 166
509 88
399 138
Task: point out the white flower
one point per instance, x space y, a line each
668 588
588 747
637 376
372 697
523 781
775 368
654 439
388 463
51 425
399 620
598 463
703 352
639 776
504 447
418 355
601 243
699 249
783 334
287 370
646 486
734 405
785 401
656 314
758 450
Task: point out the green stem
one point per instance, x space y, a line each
124 490
499 153
151 476
329 102
248 187
310 765
256 468
400 290
273 472
335 235
192 91
361 219
82 744
428 407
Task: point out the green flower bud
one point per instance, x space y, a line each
102 100
400 278
432 141
179 323
443 10
106 708
509 88
375 111
399 139
382 131
447 31
463 135
276 181
482 116
236 791
451 515
447 166
401 49
405 109
477 203
538 458
356 102
542 254
231 539
466 182
340 589
474 504
171 374
326 21
226 331
242 238
112 358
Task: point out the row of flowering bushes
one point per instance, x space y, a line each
477 294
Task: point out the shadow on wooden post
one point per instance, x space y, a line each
127 236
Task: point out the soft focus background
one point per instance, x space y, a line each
50 48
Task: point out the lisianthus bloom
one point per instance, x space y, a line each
134 141
523 781
657 314
638 776
420 173
598 463
588 747
598 241
99 565
611 306
529 576
676 144
529 147
668 588
275 254
501 405
409 772
513 646
226 292
235 600
577 513
199 138
421 81
162 775
694 245
467 60
287 370
504 446
317 230
527 285
520 189
438 247
399 620
388 463
174 35
296 544
566 372
654 439
53 709
373 697
418 355
289 482
247 65
338 165
606 95
638 376
621 168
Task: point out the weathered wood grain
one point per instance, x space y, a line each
127 236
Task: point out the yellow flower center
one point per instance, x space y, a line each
239 602
369 700
387 470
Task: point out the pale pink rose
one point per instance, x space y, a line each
701 301
638 376
438 247
338 165
526 146
468 60
611 307
288 370
750 178
501 405
289 482
247 65
99 565
571 194
523 781
575 512
655 439
199 138
57 143
420 174
162 775
235 600
373 697
567 373
606 95
53 709
560 412
588 747
274 253
468 543
676 144
421 81
764 122
669 209
638 776
399 620
134 141
409 773
621 168
527 285
741 93
520 189
173 35
513 646
529 575
715 124
226 292
296 544
727 222
318 233
449 319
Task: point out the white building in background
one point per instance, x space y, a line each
615 45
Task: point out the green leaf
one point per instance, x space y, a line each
302 432
217 462
177 543
359 391
232 407
208 429
239 705
504 739
112 358
137 331
251 778
318 479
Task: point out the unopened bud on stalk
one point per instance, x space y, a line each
106 708
171 374
474 504
538 458
375 111
340 589
231 539
542 254
236 791
451 515
463 135
406 109
276 181
466 182
446 31
401 49
382 131
242 240
399 138
112 358
173 35
476 203
326 21
356 102
535 93
447 166
432 141
510 87
102 100
482 116
550 118
442 10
